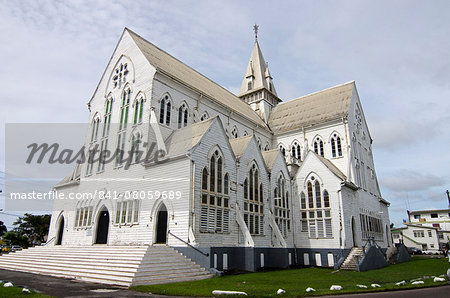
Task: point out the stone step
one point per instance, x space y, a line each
95 277
171 280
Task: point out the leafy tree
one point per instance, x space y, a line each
3 228
34 227
16 239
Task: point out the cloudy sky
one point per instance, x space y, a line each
398 52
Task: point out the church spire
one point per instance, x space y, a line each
257 69
257 85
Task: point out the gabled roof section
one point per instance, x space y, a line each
72 178
315 108
184 139
330 166
270 157
258 68
174 68
239 145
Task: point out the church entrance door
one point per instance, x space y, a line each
102 227
161 225
60 231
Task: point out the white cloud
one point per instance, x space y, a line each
410 180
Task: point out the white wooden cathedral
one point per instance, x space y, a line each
243 181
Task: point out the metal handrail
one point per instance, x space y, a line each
49 241
190 245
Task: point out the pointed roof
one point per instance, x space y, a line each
172 67
184 139
239 145
315 108
270 157
258 68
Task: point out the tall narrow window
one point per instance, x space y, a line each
138 111
124 109
183 115
336 148
281 206
295 150
215 209
165 110
282 149
318 146
95 125
253 202
107 122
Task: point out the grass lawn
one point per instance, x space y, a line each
17 292
295 281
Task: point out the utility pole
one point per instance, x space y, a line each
448 197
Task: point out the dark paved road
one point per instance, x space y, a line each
61 287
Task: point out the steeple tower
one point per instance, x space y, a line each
257 87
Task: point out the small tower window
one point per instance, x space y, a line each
234 133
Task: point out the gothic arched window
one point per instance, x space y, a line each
120 75
215 209
165 110
295 150
138 110
316 219
282 149
318 146
183 115
336 147
254 202
281 206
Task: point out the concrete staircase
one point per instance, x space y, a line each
350 261
114 265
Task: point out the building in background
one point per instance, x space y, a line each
427 230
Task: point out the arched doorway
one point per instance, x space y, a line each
102 227
161 225
59 236
354 235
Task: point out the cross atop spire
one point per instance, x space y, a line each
255 28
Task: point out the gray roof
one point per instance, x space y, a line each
169 65
270 157
330 166
312 109
184 139
73 177
239 145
